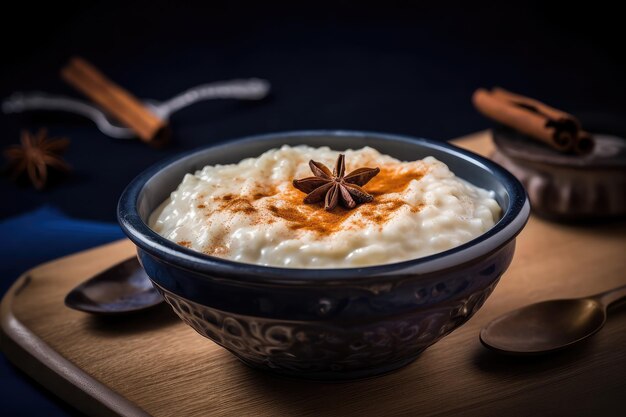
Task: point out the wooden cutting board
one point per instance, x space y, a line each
154 364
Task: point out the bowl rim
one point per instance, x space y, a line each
505 230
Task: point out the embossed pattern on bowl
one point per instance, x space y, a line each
338 345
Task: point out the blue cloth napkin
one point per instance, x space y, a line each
26 241
43 235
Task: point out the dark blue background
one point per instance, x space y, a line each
404 68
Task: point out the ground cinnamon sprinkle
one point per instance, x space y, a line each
258 196
313 217
218 247
239 205
184 243
392 180
309 217
220 251
288 206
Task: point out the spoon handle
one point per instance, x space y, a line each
246 89
20 102
607 298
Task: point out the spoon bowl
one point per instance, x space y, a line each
549 326
122 288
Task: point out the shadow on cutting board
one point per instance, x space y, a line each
154 318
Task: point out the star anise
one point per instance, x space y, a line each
336 187
35 155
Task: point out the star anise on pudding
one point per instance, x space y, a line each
336 187
35 155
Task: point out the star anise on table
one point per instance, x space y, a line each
336 187
35 155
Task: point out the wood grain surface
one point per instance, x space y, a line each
153 363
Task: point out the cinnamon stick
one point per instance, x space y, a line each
538 106
584 143
523 119
116 101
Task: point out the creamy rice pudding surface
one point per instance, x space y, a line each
251 212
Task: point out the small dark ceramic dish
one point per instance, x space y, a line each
326 323
568 188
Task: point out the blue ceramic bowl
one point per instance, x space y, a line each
325 323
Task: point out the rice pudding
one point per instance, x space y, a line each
251 212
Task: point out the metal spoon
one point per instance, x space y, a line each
549 325
250 89
123 288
